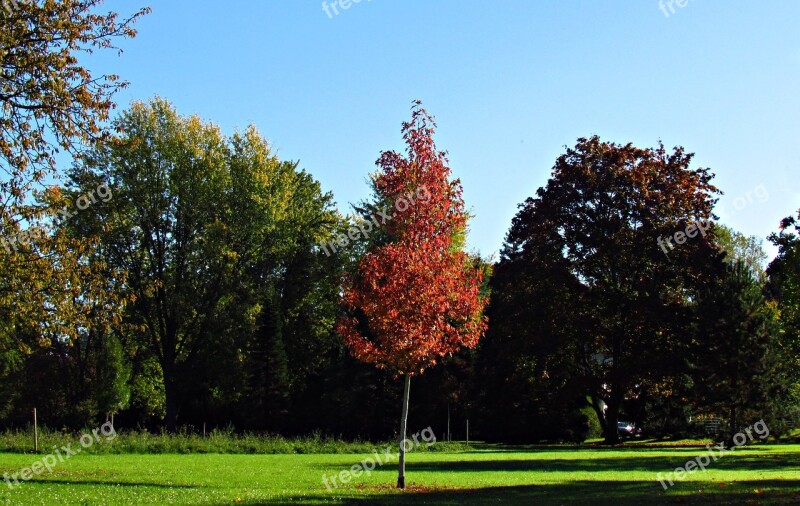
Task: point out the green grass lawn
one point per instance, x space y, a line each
488 475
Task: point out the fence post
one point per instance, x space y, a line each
35 432
448 421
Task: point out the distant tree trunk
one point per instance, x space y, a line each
171 396
733 429
610 430
401 477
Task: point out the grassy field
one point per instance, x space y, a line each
486 475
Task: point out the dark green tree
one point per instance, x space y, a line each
737 364
527 361
111 385
783 287
268 381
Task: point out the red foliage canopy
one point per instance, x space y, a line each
417 298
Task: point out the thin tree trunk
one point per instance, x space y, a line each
171 400
612 416
401 477
733 428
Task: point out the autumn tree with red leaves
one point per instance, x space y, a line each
416 295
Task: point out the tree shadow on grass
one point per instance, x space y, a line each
617 493
654 464
631 446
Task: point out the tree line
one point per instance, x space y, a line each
200 293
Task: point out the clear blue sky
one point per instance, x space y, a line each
510 82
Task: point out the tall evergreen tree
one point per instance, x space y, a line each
268 381
737 367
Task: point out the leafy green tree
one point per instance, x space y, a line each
783 287
280 217
112 391
148 399
740 248
164 227
784 276
207 228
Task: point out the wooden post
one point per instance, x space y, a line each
204 429
448 421
35 432
467 430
